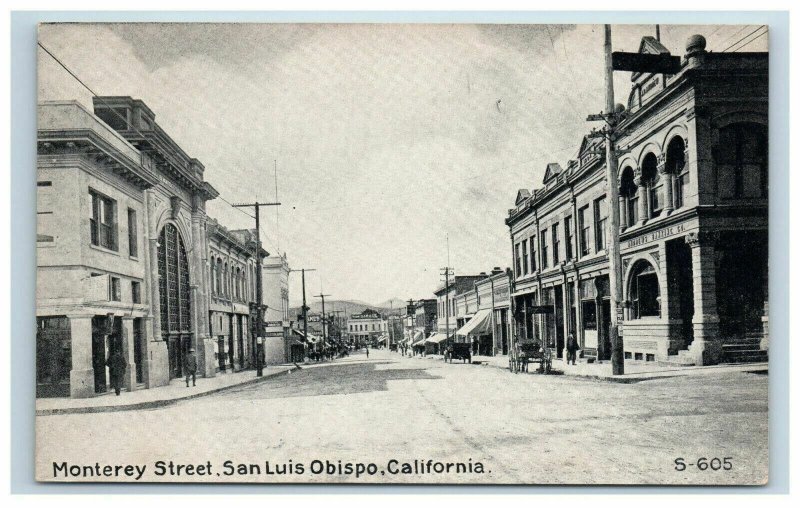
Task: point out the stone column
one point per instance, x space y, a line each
578 313
699 157
158 357
707 345
643 198
204 344
668 184
623 215
81 377
601 333
127 349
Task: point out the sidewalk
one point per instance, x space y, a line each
156 397
634 371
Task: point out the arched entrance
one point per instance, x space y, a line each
173 284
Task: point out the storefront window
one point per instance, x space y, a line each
645 296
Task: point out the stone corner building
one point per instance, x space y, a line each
694 220
121 249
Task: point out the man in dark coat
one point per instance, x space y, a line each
572 348
117 365
190 367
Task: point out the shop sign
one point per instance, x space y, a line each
656 235
271 324
273 334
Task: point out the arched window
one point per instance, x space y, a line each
218 282
173 285
630 197
676 165
653 185
741 159
238 283
226 283
645 296
212 267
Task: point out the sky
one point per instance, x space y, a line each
398 149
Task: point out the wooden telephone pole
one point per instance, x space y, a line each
259 287
305 307
324 335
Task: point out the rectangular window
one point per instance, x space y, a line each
133 234
115 291
556 244
136 292
600 219
656 200
103 221
568 254
633 210
525 257
583 224
518 260
543 247
533 254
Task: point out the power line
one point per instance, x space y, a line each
751 41
745 37
132 127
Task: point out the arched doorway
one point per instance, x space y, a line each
644 292
173 284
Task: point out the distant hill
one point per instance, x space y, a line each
349 307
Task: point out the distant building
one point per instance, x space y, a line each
232 273
447 321
366 327
280 343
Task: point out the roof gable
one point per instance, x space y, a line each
522 195
651 46
553 170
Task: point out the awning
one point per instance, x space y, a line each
436 338
383 339
300 334
419 339
480 324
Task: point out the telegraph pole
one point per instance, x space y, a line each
324 335
612 115
305 307
259 287
447 272
411 327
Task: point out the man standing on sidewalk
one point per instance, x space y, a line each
572 348
190 367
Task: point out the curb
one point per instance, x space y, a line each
640 377
154 404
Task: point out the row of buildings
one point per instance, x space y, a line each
129 260
693 203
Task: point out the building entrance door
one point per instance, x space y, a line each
679 270
240 340
559 320
53 356
173 285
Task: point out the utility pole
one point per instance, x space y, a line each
411 326
612 115
259 287
447 272
324 335
305 307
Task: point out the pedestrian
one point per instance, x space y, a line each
190 367
117 365
572 348
366 348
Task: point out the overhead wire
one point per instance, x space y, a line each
132 127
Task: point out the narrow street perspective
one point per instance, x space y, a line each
527 428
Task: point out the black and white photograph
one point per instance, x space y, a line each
402 253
